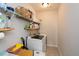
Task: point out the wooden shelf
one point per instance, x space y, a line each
36 22
32 29
20 51
6 29
27 19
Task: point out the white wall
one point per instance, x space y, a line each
12 37
68 29
49 26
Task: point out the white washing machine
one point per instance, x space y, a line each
37 44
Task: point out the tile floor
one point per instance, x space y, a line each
52 51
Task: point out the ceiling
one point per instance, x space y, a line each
39 7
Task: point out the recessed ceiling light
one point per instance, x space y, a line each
45 5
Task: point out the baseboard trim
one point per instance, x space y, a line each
50 45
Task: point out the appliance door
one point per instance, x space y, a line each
34 44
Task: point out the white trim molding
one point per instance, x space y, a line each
50 45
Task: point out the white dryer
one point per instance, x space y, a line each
37 43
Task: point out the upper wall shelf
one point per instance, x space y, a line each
6 29
25 14
27 19
32 29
